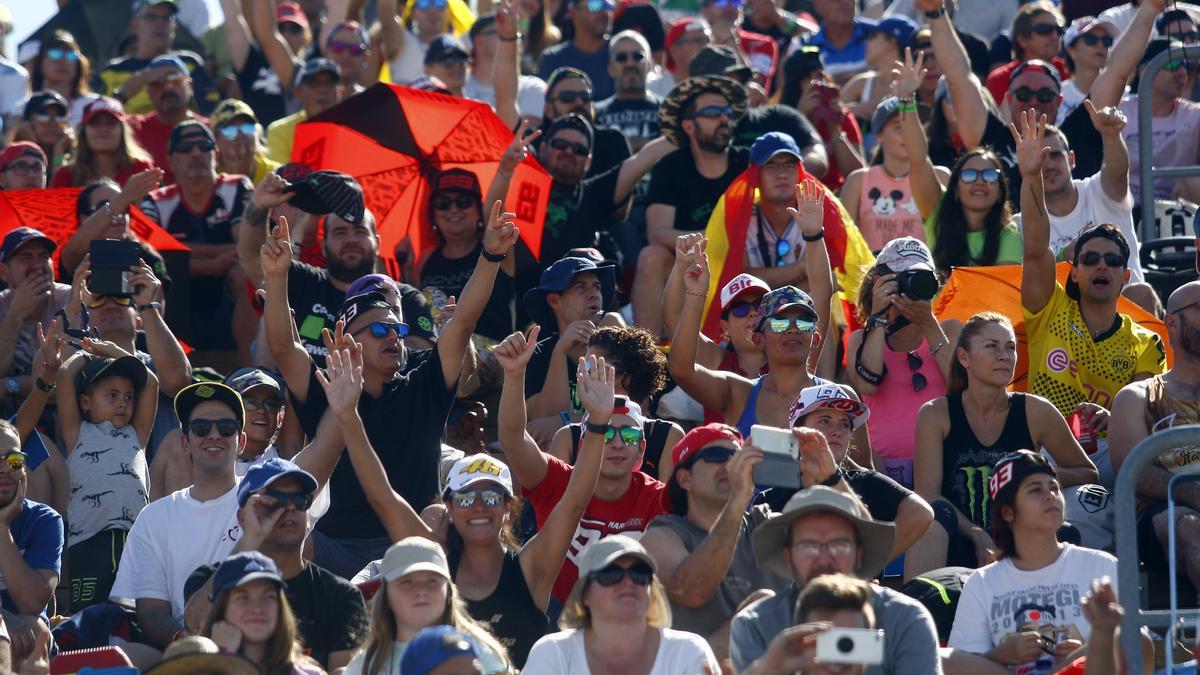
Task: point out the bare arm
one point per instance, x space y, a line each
922 178
171 364
273 46
237 33
1126 428
1074 466
970 110
68 401
526 461
507 68
639 165
391 33
710 388
321 455
1037 272
291 357
1114 172
913 517
95 225
810 216
871 357
156 620
660 222
1124 56
709 353
147 408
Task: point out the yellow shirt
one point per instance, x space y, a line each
280 136
1068 366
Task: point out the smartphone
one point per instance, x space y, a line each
111 260
781 453
828 92
862 646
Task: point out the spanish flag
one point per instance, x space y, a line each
849 255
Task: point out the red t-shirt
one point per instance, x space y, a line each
762 54
153 134
628 515
998 79
62 177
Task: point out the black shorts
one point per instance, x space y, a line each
92 566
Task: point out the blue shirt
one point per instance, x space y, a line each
848 59
38 533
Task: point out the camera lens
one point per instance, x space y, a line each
845 645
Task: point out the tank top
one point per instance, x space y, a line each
509 613
749 415
109 480
967 463
886 209
894 405
729 363
450 276
1164 411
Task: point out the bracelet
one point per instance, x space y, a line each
492 257
596 428
156 306
816 237
935 14
698 295
907 106
514 38
877 320
938 347
43 385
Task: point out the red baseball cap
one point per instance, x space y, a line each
702 437
290 12
22 149
679 28
741 285
103 105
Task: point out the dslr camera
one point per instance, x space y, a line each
917 284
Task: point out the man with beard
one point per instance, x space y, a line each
202 209
588 49
170 92
698 117
1168 400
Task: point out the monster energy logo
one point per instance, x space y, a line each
977 493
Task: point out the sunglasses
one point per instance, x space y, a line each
784 324
1043 95
713 112
272 404
465 499
629 435
1175 64
624 57
563 144
782 248
639 573
570 97
381 329
430 4
185 148
26 168
59 54
973 175
226 427
595 6
1093 40
98 301
742 309
231 131
713 454
1044 29
352 48
46 117
1093 258
445 203
16 460
169 78
914 364
289 28
301 500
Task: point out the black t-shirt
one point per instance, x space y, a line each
261 88
329 610
450 276
609 149
1085 143
539 363
674 181
633 118
977 53
759 121
405 427
880 494
114 74
575 214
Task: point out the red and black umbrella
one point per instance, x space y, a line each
394 140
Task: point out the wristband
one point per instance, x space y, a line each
596 428
907 106
45 386
935 14
492 257
156 306
834 478
870 377
816 237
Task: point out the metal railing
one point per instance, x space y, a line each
1125 494
1146 170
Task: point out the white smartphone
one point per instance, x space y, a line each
863 646
781 451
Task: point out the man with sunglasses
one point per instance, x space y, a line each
588 49
48 117
632 110
274 509
170 93
1037 30
23 166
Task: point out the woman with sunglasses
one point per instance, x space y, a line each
102 212
901 359
61 67
106 148
617 619
502 582
961 436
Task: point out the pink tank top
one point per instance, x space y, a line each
894 406
886 209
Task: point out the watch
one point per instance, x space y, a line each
834 478
11 385
877 320
43 385
156 306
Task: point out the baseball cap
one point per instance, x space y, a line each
96 369
261 476
641 17
905 253
884 111
290 12
316 66
482 23
413 554
355 26
572 121
457 179
741 285
139 5
719 60
1085 23
358 304
170 61
566 73
828 396
40 100
369 283
21 149
1039 65
770 144
623 406
445 48
189 131
245 379
433 646
1013 468
104 105
242 568
700 438
194 394
898 26
601 554
680 28
558 276
322 192
479 468
781 299
231 109
21 235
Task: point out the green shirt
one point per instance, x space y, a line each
1010 252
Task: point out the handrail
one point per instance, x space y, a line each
1146 171
1125 496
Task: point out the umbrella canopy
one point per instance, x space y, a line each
395 140
971 290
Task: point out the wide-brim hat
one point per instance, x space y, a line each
875 537
196 654
672 106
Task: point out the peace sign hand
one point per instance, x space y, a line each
516 151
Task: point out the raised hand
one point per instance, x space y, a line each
501 233
695 280
271 192
1108 121
929 5
10 511
516 151
342 379
516 350
28 294
809 212
908 74
136 188
740 470
50 343
1031 143
686 245
506 21
816 459
338 339
1100 606
258 518
276 251
147 285
595 385
103 348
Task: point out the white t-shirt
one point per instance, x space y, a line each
1175 142
169 540
1094 207
999 599
531 94
14 87
409 64
679 653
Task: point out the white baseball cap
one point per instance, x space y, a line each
1084 24
478 468
906 253
828 396
739 286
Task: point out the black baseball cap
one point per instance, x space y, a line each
317 66
572 121
39 101
194 394
96 369
445 48
21 236
189 131
322 192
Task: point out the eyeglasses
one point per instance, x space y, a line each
639 573
430 4
782 248
170 78
46 117
465 499
742 309
381 329
784 324
59 54
1045 29
1043 95
563 144
623 57
595 6
301 500
713 112
914 364
1093 40
713 454
226 427
811 549
629 435
184 148
271 404
98 301
972 175
352 48
570 97
26 168
444 203
16 460
1093 258
231 131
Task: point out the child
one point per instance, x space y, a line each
107 400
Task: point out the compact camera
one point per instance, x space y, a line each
863 646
